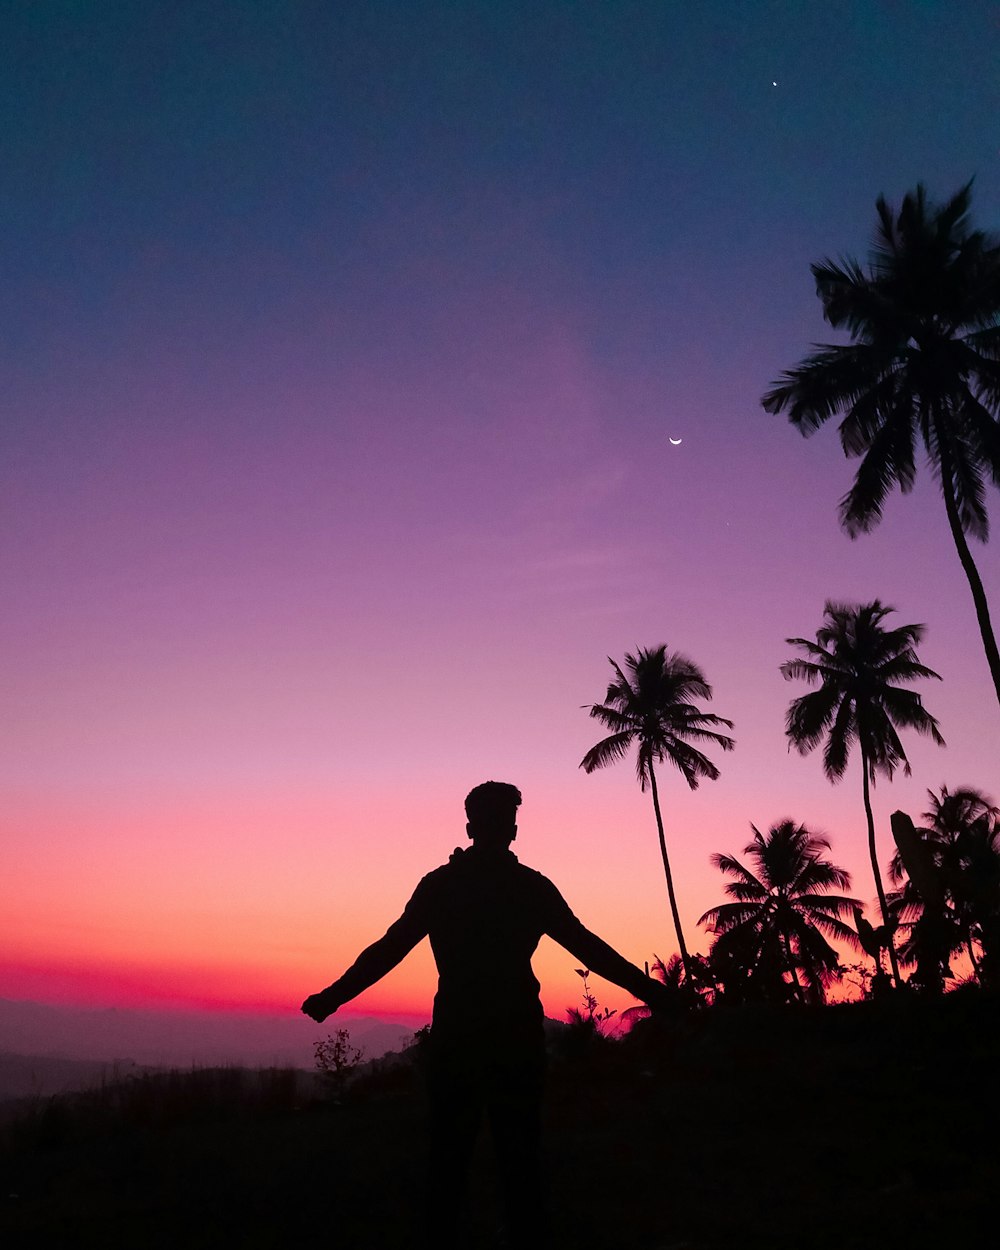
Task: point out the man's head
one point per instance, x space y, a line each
491 810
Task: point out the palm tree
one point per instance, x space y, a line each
924 364
781 909
961 837
979 897
857 664
670 974
949 816
649 705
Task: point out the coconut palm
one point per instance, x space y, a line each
923 366
649 705
960 840
858 665
671 975
979 896
948 818
781 909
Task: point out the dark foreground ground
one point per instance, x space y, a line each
848 1128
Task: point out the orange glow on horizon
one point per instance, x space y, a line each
250 900
407 991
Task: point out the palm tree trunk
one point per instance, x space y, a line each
790 961
973 960
875 868
969 565
685 957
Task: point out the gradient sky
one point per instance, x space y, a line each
342 346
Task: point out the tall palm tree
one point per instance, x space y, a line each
924 364
649 705
781 909
857 664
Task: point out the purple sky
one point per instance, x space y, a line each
343 346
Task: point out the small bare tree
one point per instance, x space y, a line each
336 1059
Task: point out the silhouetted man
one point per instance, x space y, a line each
484 913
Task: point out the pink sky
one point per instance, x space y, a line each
336 462
251 688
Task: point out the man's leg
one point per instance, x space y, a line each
515 1104
455 1098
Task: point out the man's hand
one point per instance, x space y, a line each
318 1006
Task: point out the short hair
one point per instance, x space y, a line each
491 800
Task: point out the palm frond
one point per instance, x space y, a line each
729 916
819 874
829 381
969 490
906 708
607 751
613 717
692 763
879 471
810 716
983 431
730 866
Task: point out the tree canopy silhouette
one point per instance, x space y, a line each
773 927
858 664
650 706
924 365
960 840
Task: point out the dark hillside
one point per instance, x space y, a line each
844 1128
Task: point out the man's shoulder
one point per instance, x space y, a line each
536 878
533 882
436 876
462 861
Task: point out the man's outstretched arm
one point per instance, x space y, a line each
597 956
373 962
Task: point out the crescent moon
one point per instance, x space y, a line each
676 442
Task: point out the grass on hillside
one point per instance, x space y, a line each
841 1128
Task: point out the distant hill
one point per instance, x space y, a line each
38 1076
105 1035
